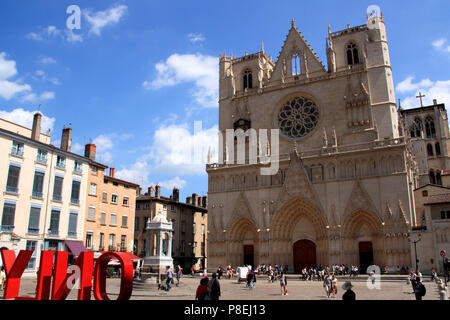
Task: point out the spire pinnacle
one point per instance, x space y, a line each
293 23
262 46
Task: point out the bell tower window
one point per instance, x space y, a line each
247 79
352 54
296 70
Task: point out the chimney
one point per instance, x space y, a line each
66 141
194 199
435 101
176 194
158 191
188 200
36 130
112 171
150 191
204 201
90 151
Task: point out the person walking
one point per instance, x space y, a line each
334 285
202 290
419 290
214 287
250 277
327 284
283 283
349 294
413 279
2 278
169 278
179 274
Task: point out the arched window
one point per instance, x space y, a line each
352 54
438 178
437 147
430 150
296 64
430 128
432 177
247 79
416 128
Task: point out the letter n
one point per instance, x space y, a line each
60 289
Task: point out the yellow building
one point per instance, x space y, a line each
189 224
110 209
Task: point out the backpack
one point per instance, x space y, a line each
421 289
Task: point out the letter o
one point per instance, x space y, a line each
126 279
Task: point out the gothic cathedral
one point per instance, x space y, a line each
343 193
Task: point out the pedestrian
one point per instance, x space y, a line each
250 277
214 287
334 285
202 290
419 290
192 271
205 273
179 274
283 283
433 274
413 280
2 278
169 277
327 284
349 294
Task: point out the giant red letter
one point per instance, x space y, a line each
14 269
126 282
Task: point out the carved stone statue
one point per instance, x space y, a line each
233 81
283 71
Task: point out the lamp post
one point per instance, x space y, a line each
415 248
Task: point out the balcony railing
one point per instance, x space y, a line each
72 234
53 232
75 201
12 189
33 231
17 152
111 248
41 159
37 194
61 165
57 197
5 228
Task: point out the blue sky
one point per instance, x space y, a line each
138 74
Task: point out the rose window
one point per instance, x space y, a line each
298 117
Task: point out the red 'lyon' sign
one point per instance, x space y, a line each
53 280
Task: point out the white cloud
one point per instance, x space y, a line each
34 36
439 90
173 152
200 69
46 60
441 45
196 37
105 144
407 85
72 37
78 148
101 19
8 89
175 182
41 75
32 97
25 118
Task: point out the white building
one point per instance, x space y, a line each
42 191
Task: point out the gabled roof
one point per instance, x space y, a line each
438 199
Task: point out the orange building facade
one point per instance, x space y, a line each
110 212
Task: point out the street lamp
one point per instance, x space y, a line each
415 248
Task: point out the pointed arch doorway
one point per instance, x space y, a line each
304 255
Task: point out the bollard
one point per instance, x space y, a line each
408 281
443 295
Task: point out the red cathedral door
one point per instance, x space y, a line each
304 255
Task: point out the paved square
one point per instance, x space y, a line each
232 290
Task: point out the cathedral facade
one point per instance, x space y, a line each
343 193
